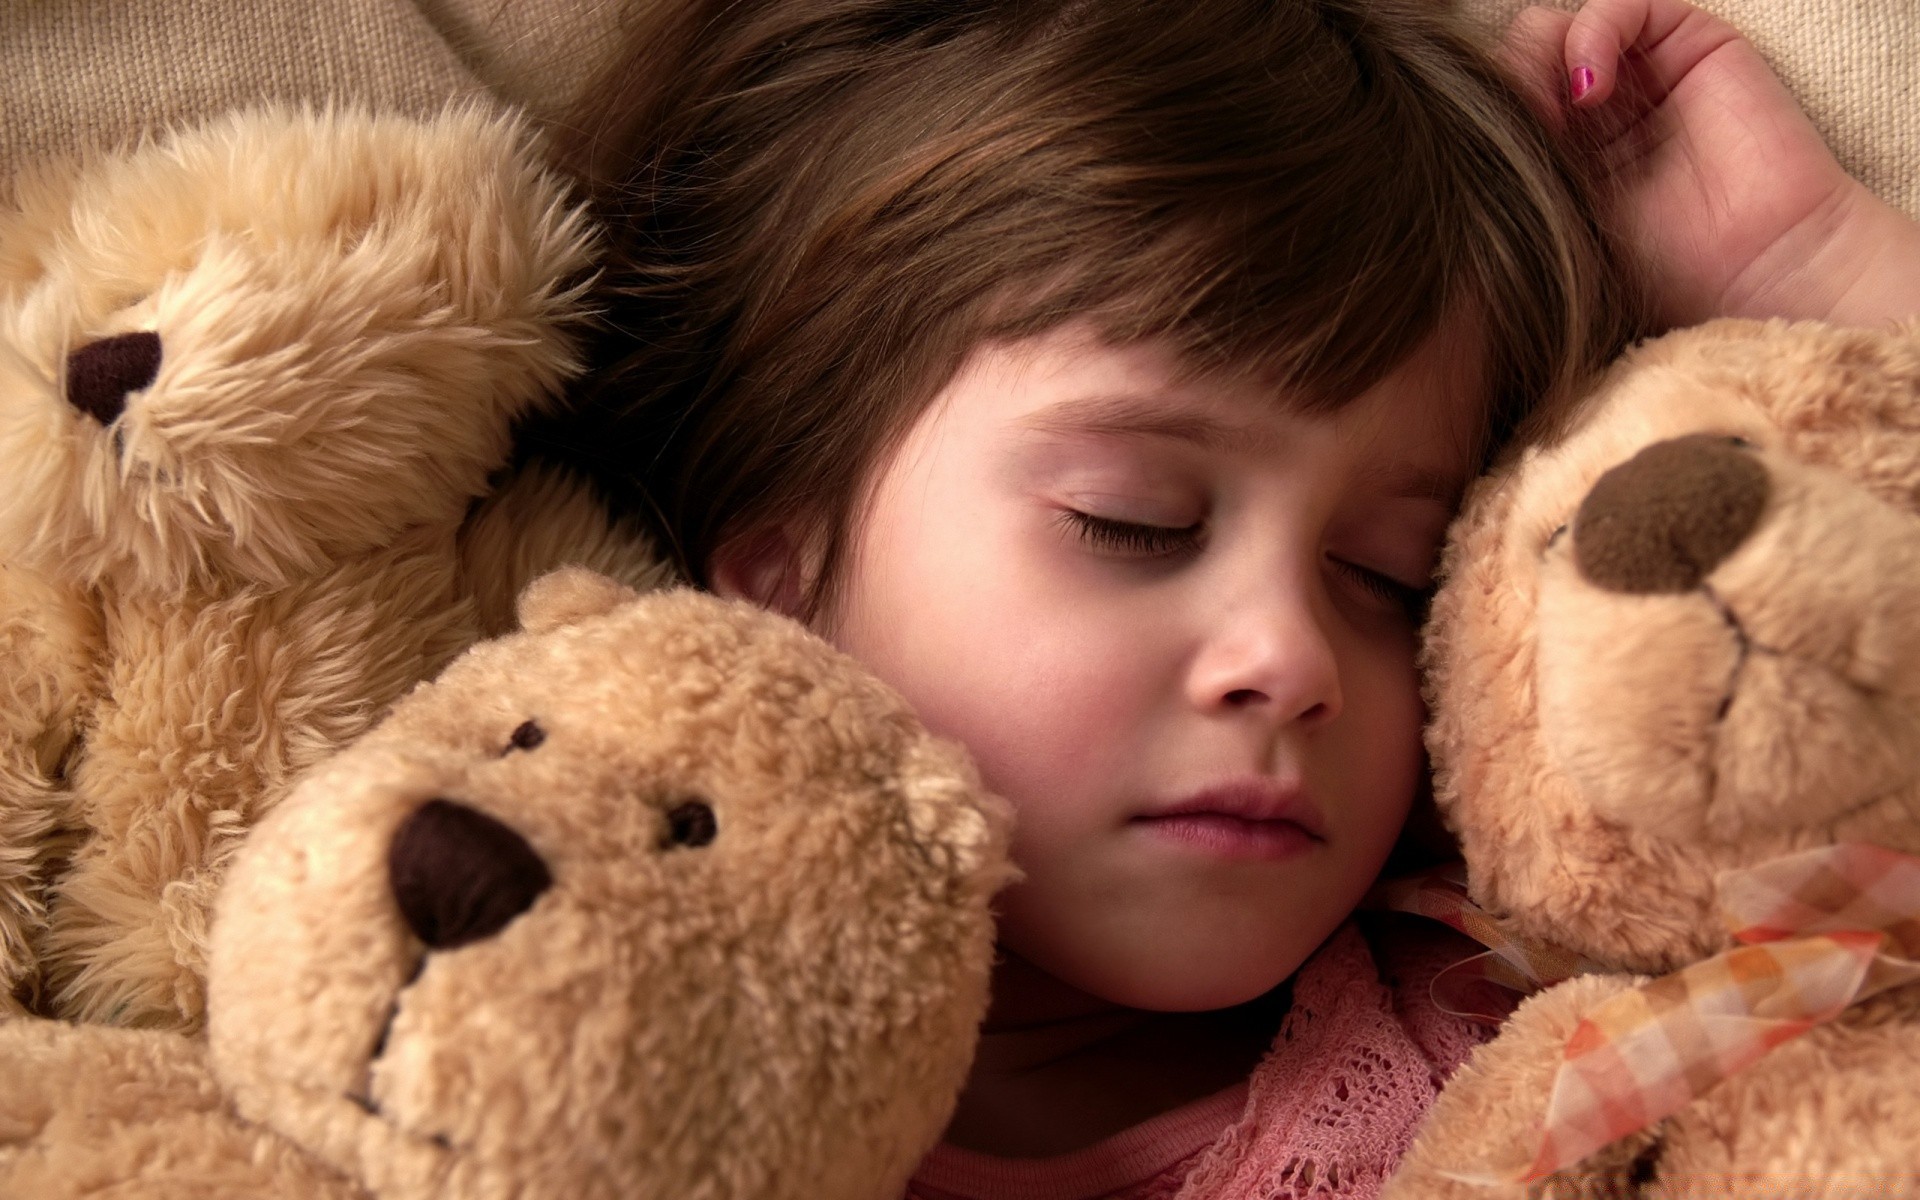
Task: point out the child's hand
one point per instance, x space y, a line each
1719 182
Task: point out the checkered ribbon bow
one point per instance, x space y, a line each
1818 931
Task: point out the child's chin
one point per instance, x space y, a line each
1174 944
1228 981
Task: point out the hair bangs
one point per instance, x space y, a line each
827 203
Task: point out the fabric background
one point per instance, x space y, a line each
79 72
535 53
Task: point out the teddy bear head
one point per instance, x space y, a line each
659 897
257 346
1684 638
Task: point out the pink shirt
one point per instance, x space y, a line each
1327 1113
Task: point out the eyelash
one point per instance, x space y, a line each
1155 541
1385 587
1128 537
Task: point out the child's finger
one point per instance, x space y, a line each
1532 52
1604 30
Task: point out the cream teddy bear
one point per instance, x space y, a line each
1675 672
663 897
258 387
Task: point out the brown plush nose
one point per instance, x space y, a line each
1665 518
100 374
459 875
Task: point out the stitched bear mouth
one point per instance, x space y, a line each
1683 715
1745 647
363 1096
1869 700
371 1149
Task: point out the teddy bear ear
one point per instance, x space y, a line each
569 595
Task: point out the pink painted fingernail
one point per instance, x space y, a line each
1580 82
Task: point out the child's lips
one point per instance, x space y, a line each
1248 817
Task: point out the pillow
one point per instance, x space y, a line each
75 73
78 73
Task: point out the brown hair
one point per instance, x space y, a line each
820 206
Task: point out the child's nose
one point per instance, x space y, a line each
1273 659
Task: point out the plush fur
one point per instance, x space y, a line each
1602 752
92 1111
776 1003
254 380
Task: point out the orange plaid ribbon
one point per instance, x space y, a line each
1818 931
1509 963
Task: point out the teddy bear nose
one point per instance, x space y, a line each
100 374
1665 518
459 875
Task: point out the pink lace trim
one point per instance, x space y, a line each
1328 1113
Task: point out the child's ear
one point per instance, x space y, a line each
772 566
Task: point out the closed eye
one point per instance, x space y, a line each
1132 538
1385 588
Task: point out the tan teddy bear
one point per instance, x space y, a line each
258 383
1675 671
662 898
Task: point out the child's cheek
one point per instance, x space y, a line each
1049 709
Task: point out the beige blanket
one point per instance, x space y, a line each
79 71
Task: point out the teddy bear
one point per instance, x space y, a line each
259 382
1674 668
661 897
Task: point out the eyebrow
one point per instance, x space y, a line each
1128 414
1411 481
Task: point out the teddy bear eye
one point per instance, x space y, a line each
691 823
525 736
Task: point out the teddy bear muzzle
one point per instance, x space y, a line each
1730 641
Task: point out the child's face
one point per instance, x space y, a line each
1125 594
